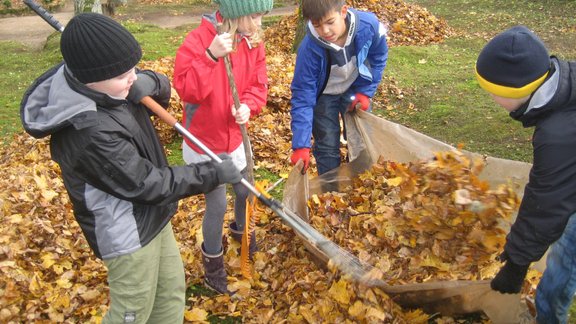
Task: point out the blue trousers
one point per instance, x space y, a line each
558 284
326 130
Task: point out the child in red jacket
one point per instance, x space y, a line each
209 114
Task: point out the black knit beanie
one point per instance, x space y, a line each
97 48
513 64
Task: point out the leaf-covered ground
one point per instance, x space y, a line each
49 274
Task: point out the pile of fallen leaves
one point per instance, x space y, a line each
408 24
422 220
48 271
49 274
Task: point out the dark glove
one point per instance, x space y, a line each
144 86
227 172
510 278
360 101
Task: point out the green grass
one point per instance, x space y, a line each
175 8
439 79
21 66
149 35
448 103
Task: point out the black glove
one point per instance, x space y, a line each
227 171
510 278
144 86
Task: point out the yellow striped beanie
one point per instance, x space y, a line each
513 64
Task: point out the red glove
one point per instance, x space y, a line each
301 154
360 101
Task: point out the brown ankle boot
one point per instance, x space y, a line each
214 274
237 236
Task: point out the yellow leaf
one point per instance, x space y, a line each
7 264
48 195
357 310
376 313
196 315
35 286
307 313
41 182
435 262
316 199
62 301
64 283
241 287
394 182
416 317
47 260
493 242
339 291
16 219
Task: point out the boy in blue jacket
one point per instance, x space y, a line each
339 65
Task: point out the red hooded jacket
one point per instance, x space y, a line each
203 86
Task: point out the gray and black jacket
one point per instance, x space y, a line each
550 195
113 165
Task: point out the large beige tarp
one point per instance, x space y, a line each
369 137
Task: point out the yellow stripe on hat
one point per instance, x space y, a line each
510 92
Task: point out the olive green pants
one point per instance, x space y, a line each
148 286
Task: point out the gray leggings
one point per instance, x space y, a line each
213 221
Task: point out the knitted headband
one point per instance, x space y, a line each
237 8
513 64
96 48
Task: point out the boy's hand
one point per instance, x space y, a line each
360 101
242 114
301 154
226 170
221 45
510 278
144 86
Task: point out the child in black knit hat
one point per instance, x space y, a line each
539 91
123 191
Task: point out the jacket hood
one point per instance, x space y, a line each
57 100
211 19
557 92
49 104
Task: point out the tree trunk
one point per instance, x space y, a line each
79 6
300 29
97 7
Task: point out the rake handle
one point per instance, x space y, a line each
243 130
44 15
